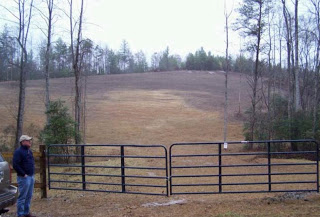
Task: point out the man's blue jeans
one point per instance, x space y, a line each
25 186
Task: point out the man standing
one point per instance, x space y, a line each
23 163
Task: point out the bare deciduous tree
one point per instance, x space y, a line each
227 16
50 4
23 17
251 23
288 28
296 61
76 62
48 19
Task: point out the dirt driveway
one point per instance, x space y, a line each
61 203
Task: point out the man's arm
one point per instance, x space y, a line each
16 162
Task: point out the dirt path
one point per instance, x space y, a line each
69 204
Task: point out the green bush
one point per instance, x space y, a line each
61 127
276 125
59 130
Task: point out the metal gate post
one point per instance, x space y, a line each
48 165
170 170
43 172
220 169
317 158
269 167
167 175
123 180
83 168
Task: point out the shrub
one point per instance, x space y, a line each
60 129
277 126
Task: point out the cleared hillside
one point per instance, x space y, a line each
144 108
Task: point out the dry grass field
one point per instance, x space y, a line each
158 108
149 108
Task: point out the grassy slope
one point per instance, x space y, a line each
150 108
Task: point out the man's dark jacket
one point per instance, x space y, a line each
23 161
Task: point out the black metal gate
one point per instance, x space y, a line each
208 168
195 168
134 169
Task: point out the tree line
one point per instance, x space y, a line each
98 60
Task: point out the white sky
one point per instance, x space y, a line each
151 25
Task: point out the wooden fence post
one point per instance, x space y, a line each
43 171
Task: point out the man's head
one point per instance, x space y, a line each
25 140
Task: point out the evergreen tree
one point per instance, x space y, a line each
60 129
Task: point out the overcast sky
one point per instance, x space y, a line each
151 25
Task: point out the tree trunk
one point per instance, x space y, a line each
22 97
22 40
47 75
316 6
296 61
76 65
77 107
256 76
287 18
225 131
270 76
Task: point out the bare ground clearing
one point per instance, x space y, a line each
154 108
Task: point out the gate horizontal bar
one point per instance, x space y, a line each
91 190
107 167
80 182
248 183
103 183
244 142
129 176
142 185
190 176
265 153
146 168
107 145
200 184
79 166
243 165
106 156
305 173
108 175
196 155
245 174
243 192
244 154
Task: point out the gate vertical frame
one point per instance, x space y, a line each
317 158
83 168
167 173
123 178
269 166
220 169
170 169
48 166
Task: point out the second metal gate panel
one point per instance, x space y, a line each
208 168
